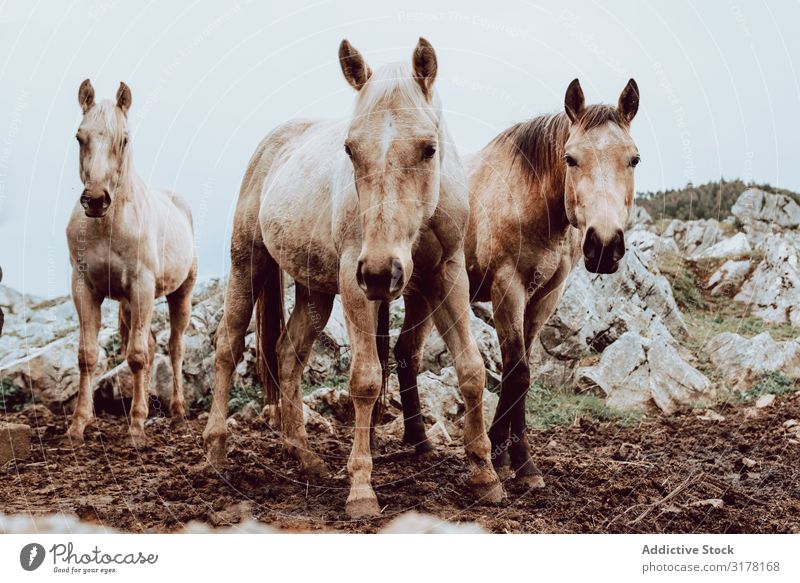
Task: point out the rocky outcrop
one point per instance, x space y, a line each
744 361
728 279
775 209
735 246
597 310
773 290
637 374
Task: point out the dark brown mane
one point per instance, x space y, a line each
538 144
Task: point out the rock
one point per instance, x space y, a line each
416 523
773 290
711 415
37 414
649 244
744 361
316 422
50 374
735 246
790 423
596 310
728 279
332 401
638 374
748 463
15 442
117 383
710 503
436 356
765 401
757 205
640 216
694 237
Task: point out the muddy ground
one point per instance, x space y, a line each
682 474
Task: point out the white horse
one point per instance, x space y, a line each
372 209
129 243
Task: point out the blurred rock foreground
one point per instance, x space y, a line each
623 338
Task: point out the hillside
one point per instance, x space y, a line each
712 200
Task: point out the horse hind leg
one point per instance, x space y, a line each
408 355
246 281
180 311
308 319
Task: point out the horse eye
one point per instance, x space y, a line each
429 152
348 151
635 161
570 160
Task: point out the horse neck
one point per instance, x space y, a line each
550 187
131 189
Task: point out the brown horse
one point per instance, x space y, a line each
542 193
129 243
370 208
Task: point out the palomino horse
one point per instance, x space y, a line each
372 208
542 193
129 243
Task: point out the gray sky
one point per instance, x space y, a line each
718 80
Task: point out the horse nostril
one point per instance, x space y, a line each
360 275
590 243
85 199
398 276
619 245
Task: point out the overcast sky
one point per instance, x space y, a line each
718 80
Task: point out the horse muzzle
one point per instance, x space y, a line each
381 281
603 255
94 205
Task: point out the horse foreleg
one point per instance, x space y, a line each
309 317
244 285
180 311
451 317
508 302
89 317
365 386
140 355
408 354
537 312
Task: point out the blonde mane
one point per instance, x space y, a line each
394 83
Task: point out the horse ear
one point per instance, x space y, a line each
425 67
86 95
629 101
574 102
354 67
124 98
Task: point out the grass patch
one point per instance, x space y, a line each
239 397
12 397
338 381
548 407
685 287
772 383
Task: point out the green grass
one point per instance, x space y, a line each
239 397
685 287
336 381
12 397
773 383
548 407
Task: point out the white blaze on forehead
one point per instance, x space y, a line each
387 135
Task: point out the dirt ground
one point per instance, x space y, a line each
682 474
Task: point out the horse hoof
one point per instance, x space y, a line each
138 440
74 438
424 448
489 493
529 482
363 508
313 467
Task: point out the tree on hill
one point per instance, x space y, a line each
712 200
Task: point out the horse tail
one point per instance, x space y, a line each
269 326
382 340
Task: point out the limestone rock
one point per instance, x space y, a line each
743 361
773 289
735 246
637 374
728 279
